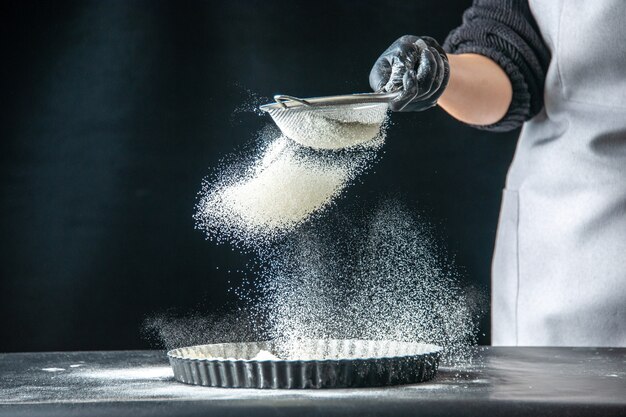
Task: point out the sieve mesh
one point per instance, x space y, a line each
330 122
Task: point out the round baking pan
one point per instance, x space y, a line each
309 363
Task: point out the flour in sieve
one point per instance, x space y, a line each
337 130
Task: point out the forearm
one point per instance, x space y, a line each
479 92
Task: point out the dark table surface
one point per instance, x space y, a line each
499 381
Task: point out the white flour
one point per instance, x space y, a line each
283 192
380 276
155 382
265 355
336 128
53 369
374 276
129 374
280 189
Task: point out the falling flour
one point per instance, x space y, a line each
281 188
284 191
368 274
321 274
378 276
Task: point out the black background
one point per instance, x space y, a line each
113 112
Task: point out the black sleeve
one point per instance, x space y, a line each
505 31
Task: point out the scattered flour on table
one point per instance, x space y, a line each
154 382
131 373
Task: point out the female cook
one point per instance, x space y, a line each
558 68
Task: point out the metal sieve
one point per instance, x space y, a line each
331 122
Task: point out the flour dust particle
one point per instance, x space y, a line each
170 331
256 200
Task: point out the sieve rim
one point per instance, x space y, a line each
286 102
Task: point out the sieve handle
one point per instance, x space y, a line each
282 98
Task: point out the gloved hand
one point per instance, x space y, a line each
415 66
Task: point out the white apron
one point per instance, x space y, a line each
559 267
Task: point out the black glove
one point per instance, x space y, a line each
415 66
